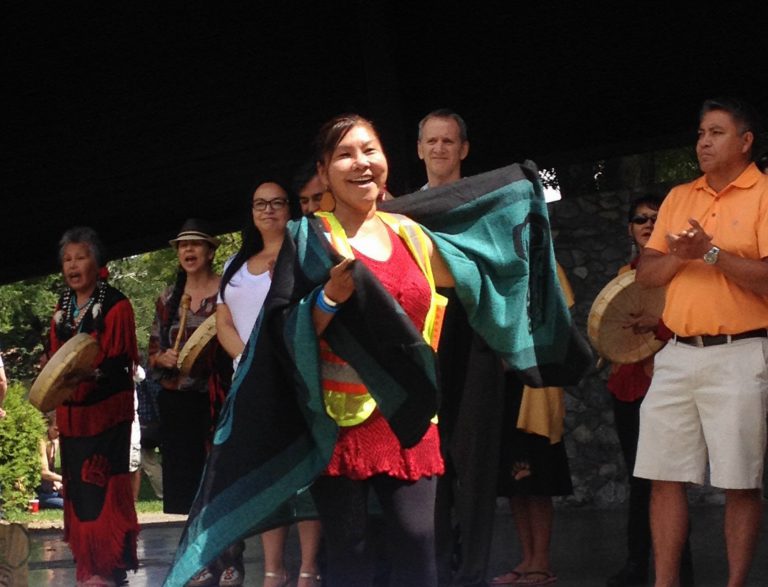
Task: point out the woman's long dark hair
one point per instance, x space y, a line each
252 242
173 306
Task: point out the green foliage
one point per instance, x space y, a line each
142 278
676 165
230 243
25 310
20 434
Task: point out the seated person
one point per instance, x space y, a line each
49 492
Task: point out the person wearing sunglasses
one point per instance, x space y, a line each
628 385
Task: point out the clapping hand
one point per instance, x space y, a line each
691 243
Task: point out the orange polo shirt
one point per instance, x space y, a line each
700 299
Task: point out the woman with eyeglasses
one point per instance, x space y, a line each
628 385
244 287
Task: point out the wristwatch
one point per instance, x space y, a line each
710 257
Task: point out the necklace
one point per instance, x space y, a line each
74 314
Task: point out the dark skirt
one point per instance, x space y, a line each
185 424
528 464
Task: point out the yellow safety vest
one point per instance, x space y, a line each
347 400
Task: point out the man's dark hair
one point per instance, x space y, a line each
746 116
446 113
303 174
653 202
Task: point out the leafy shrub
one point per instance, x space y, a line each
20 434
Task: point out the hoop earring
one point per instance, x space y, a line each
328 202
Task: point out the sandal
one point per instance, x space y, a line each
310 579
509 578
282 578
231 576
203 578
537 578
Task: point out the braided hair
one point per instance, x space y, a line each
173 305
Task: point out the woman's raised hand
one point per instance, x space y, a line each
340 286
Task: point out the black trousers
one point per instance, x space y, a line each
409 515
185 418
626 416
472 385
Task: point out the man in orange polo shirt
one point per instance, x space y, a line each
707 402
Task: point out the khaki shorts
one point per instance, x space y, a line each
706 406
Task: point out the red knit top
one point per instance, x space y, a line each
371 448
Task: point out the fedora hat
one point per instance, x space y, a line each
195 229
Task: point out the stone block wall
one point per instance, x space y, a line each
592 243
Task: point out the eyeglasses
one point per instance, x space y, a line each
642 219
276 204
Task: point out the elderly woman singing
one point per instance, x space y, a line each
95 422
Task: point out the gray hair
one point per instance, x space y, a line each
446 113
85 235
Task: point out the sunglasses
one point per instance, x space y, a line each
642 219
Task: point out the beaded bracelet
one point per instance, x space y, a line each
323 305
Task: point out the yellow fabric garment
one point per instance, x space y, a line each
347 405
542 410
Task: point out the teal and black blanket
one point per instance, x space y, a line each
274 438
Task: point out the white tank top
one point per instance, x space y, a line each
245 294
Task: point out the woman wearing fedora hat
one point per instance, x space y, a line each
185 403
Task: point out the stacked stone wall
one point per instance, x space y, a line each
592 243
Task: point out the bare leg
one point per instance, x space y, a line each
743 514
540 515
150 463
273 542
136 483
310 532
669 528
522 515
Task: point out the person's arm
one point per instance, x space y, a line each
3 385
691 245
338 289
442 275
226 331
157 358
655 269
751 274
45 472
3 389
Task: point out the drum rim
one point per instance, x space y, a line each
619 283
208 328
54 368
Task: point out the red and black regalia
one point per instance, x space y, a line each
100 522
